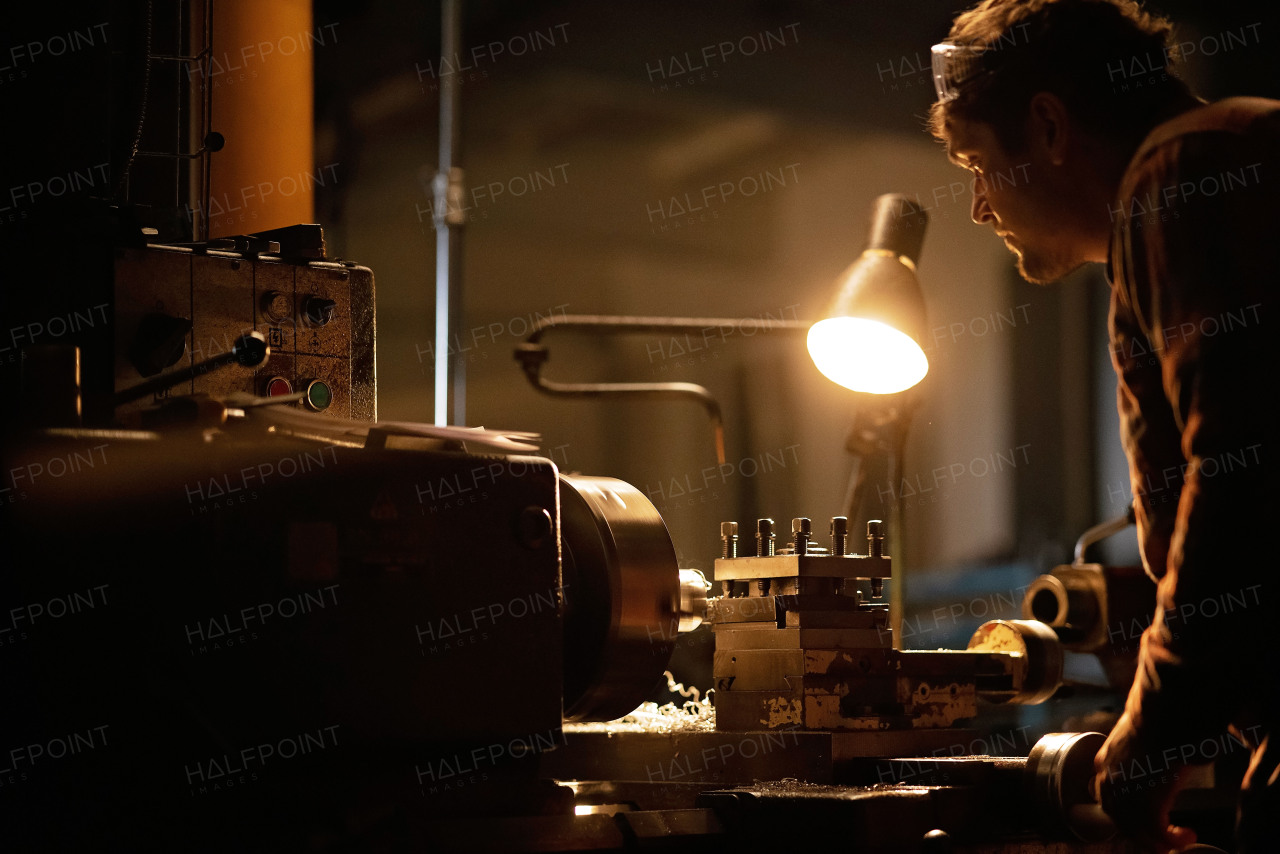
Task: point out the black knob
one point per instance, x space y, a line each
250 350
319 311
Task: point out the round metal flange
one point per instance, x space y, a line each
622 594
1058 771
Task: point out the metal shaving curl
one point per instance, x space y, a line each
694 715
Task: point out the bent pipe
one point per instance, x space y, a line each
532 354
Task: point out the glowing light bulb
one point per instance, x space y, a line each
866 355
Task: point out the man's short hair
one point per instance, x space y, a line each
1108 60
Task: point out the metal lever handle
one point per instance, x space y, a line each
250 351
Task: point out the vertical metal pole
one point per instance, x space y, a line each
897 542
450 371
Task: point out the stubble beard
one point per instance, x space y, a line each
1044 269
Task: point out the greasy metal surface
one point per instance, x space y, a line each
525 833
804 566
988 811
622 591
734 637
223 295
813 658
869 705
994 816
617 828
742 757
853 745
715 758
873 819
978 770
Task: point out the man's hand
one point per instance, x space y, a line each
1136 790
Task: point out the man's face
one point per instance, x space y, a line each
1014 193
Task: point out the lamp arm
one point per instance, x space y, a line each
622 323
532 353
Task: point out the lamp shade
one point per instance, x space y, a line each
870 339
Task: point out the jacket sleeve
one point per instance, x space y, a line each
1204 254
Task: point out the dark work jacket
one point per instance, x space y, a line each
1195 252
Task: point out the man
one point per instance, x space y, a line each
1085 147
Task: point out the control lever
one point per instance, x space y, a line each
250 351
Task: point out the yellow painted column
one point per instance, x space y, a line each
262 80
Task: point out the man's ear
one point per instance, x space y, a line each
1049 126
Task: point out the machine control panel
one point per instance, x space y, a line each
178 306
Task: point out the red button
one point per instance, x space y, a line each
278 386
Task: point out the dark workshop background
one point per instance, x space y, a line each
584 126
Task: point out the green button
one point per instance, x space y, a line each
319 396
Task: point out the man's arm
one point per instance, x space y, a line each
1201 269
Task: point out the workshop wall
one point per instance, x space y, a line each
589 134
610 229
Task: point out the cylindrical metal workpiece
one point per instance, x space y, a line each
1037 664
693 599
1057 772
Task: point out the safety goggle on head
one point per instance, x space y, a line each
954 65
